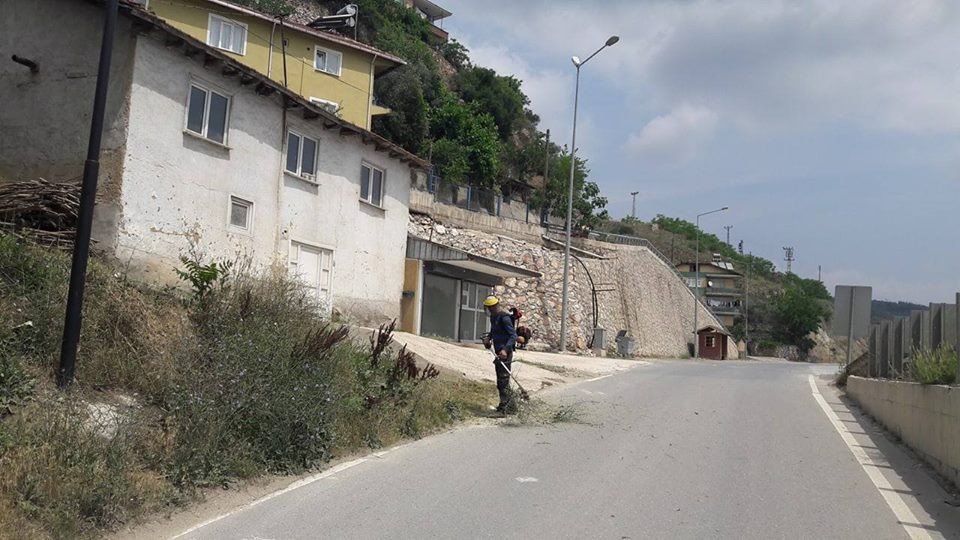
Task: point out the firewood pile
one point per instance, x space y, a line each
40 211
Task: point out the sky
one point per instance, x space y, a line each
831 127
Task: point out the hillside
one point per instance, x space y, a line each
784 309
473 124
884 309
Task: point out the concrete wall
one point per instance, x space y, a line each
177 189
45 117
925 417
422 201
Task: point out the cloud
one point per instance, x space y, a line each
769 66
675 135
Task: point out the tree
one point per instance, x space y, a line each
455 53
588 205
497 95
407 123
465 146
796 314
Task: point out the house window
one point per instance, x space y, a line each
371 185
227 35
711 341
331 106
327 61
241 214
207 113
301 155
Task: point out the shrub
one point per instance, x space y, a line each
935 367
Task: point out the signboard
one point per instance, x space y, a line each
851 310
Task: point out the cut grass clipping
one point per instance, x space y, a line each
539 412
178 393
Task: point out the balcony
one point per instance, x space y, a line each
721 291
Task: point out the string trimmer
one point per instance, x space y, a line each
496 358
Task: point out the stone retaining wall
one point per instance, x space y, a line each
648 299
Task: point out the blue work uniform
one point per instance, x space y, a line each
504 338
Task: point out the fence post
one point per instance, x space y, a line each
886 355
957 345
936 325
925 331
874 350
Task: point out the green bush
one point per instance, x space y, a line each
935 367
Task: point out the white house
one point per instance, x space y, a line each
204 155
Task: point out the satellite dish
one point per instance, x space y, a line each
349 9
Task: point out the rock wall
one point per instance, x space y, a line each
639 292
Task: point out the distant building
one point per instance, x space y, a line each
328 69
721 287
432 13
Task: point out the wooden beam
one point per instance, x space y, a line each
173 41
141 26
309 114
229 70
329 124
209 59
347 131
265 89
246 79
192 51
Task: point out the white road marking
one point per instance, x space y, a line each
900 509
526 479
296 485
598 378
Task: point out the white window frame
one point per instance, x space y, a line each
224 20
310 177
328 52
250 209
204 132
331 106
710 342
383 185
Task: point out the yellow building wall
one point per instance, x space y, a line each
351 89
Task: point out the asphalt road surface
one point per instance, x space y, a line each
667 450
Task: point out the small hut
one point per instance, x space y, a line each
713 342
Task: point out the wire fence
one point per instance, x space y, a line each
502 203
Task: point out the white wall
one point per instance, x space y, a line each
176 189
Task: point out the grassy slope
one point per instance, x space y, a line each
246 381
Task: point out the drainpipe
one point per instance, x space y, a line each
370 97
283 49
273 31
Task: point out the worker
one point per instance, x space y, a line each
503 338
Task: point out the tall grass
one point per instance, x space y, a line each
242 380
938 366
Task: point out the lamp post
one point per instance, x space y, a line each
573 166
696 293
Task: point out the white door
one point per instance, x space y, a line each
314 266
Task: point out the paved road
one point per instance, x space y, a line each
671 450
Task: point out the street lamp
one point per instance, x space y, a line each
696 293
573 165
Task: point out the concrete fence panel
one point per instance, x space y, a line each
925 417
901 329
873 343
886 354
936 325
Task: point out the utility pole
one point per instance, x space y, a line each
88 194
633 212
820 273
728 227
746 304
788 256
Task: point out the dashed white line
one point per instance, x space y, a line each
904 515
